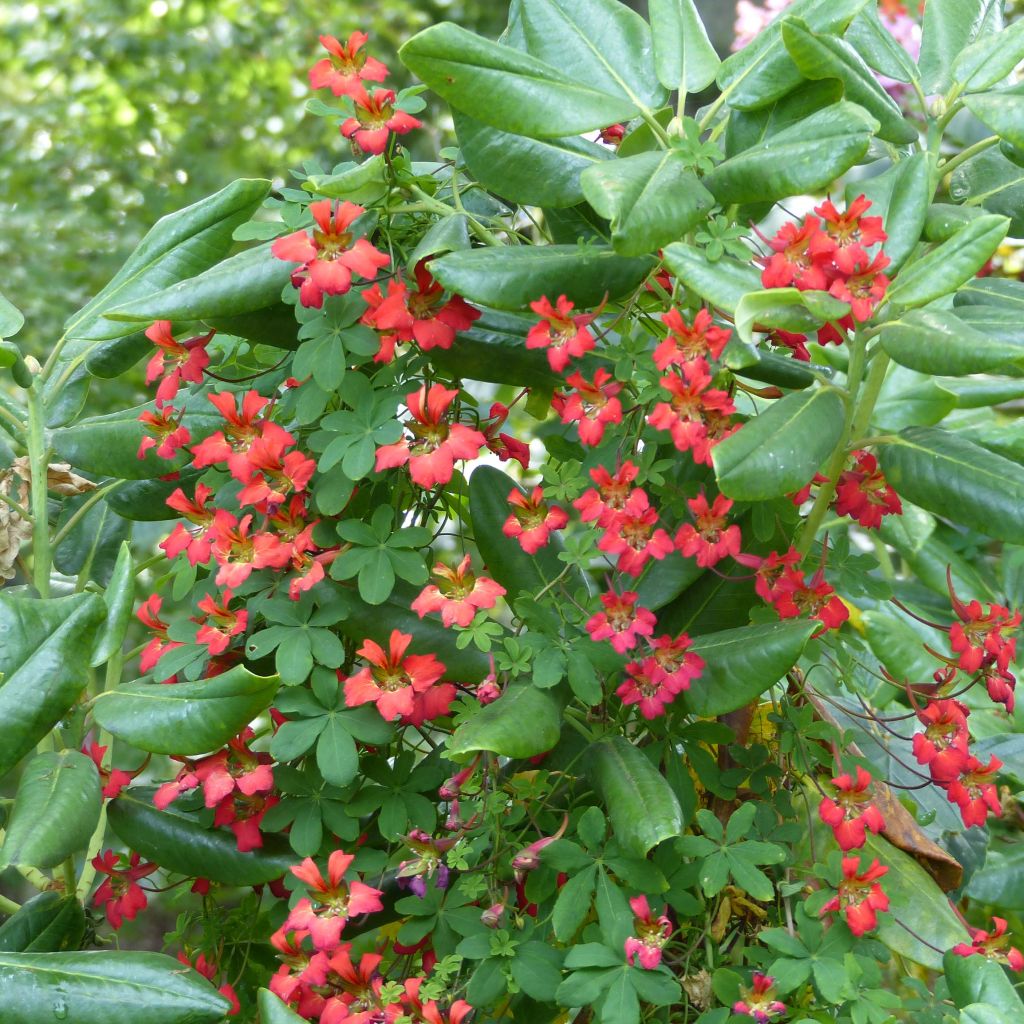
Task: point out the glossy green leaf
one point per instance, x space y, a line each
827 56
957 479
499 727
642 807
336 754
44 665
782 448
976 979
363 183
185 718
683 55
993 182
950 264
507 88
741 664
938 341
912 399
1000 881
105 987
944 220
723 283
513 277
494 349
651 199
900 196
178 246
108 445
1003 112
273 1011
55 810
47 923
11 318
503 557
879 48
179 843
950 26
803 157
600 43
986 1013
1001 292
248 282
746 128
119 597
535 172
91 547
788 308
146 500
990 59
763 71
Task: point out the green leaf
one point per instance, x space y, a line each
985 1013
741 664
950 26
763 72
1003 112
119 598
917 901
950 264
957 479
55 811
11 318
879 48
1000 881
511 277
939 342
47 923
788 308
944 220
640 803
990 59
178 246
992 291
620 1004
363 183
827 56
722 283
803 157
507 88
573 903
782 448
101 987
534 172
683 55
44 665
248 282
273 1011
994 182
976 979
537 970
336 755
185 718
498 727
503 557
179 843
600 43
651 199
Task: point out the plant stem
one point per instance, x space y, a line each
9 906
438 207
38 465
979 147
82 509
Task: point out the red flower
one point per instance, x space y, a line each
794 596
943 746
505 446
591 405
564 336
430 704
242 428
634 535
273 473
614 133
164 432
331 255
685 342
149 615
860 897
759 1000
607 501
376 117
435 445
769 571
686 414
209 971
238 554
244 814
650 936
331 902
456 1014
674 661
219 624
649 688
863 494
120 894
992 945
113 780
851 814
421 316
851 231
798 249
459 595
391 680
532 520
974 791
864 285
621 622
353 992
978 636
345 70
187 360
195 544
710 540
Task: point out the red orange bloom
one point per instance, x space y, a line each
709 540
699 340
643 949
851 814
392 679
345 70
375 119
860 897
532 520
565 336
120 894
592 405
993 945
187 360
622 621
458 596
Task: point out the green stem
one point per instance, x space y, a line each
8 906
979 147
6 414
443 208
51 359
713 109
68 869
38 465
96 496
659 133
20 509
